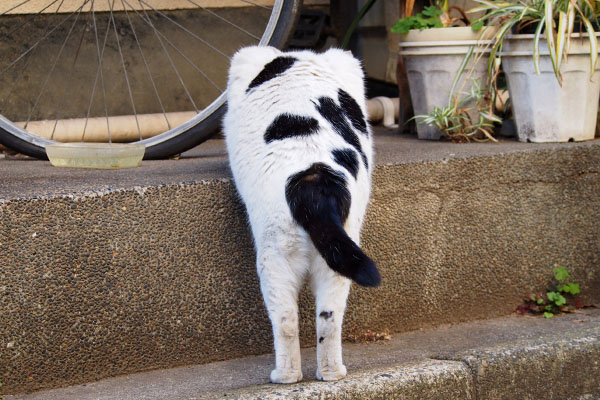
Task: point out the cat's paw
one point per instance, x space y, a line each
334 373
286 376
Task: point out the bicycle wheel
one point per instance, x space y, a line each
68 68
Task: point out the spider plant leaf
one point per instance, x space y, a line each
589 4
478 9
487 134
487 5
487 118
459 72
593 44
524 12
505 28
561 37
536 45
570 26
496 52
444 6
548 11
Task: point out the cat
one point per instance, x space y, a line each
300 151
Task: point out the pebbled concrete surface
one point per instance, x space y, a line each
112 272
515 357
24 178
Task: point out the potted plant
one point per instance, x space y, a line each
456 120
549 55
433 49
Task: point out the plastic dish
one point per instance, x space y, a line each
95 155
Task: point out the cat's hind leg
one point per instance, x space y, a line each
331 292
281 273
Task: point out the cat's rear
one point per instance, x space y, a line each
301 155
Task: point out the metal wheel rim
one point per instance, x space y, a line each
22 134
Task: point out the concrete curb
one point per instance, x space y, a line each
430 380
538 369
505 358
562 369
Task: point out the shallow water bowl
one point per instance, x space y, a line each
95 155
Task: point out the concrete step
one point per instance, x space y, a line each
107 273
513 357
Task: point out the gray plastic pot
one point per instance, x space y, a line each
432 58
544 111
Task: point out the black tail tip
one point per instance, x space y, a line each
368 275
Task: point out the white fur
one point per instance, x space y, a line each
285 254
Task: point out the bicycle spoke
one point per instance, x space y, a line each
15 7
225 20
256 4
70 78
187 30
158 34
40 40
100 74
24 66
112 19
32 17
183 55
62 47
146 65
14 82
192 63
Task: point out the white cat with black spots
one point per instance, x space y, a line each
301 155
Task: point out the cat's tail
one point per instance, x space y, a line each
320 201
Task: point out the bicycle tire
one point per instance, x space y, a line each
180 138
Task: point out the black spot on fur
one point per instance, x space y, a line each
346 158
306 189
273 69
321 339
352 110
288 125
326 314
319 201
334 114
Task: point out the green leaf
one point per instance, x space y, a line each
402 26
561 274
548 308
574 288
540 301
428 18
570 287
548 315
477 25
431 11
556 298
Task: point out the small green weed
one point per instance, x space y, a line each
428 18
436 15
564 298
